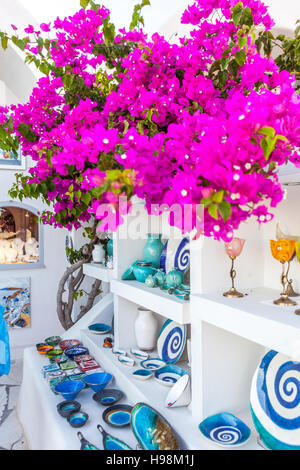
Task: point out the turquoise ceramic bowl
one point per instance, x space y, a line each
98 381
142 272
69 389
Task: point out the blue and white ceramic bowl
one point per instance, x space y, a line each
142 374
275 401
152 363
225 429
168 375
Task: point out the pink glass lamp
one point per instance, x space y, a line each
234 249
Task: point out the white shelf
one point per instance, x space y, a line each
155 299
253 317
289 174
149 391
98 272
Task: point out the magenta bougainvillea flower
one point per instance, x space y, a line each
207 120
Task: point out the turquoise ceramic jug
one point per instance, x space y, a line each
153 249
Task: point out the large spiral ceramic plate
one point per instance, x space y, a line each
275 402
176 254
171 341
151 430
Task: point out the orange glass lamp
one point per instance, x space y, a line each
297 248
233 250
283 250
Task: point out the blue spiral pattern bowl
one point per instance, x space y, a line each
225 429
168 375
275 401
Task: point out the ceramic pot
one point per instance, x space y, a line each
153 249
174 278
145 329
141 272
110 247
98 254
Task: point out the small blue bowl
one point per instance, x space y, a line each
142 272
100 328
225 429
78 419
98 380
69 389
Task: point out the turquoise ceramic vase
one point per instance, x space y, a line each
153 249
174 278
110 247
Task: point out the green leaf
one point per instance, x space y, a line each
26 131
218 197
233 67
213 211
240 57
225 210
84 3
268 131
237 13
4 41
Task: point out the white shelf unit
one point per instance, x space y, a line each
98 271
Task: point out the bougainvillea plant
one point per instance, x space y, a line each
206 121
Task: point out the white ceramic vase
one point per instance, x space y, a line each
146 329
98 254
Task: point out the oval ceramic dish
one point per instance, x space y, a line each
75 351
100 328
139 354
119 352
225 429
168 375
78 419
151 430
66 408
127 361
117 415
112 443
171 341
68 343
152 363
142 374
108 397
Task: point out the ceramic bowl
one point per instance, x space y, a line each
44 349
127 361
180 393
66 408
117 415
119 352
225 429
69 389
128 274
78 419
139 354
142 272
142 374
68 343
75 351
169 374
98 380
53 340
100 328
54 353
152 363
108 397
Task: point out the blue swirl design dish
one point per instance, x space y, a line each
225 429
175 254
110 442
152 363
171 341
168 375
99 328
117 415
142 374
275 401
151 430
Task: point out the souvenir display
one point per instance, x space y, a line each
180 393
108 396
233 250
151 430
112 443
171 341
225 429
98 381
168 375
275 401
175 254
117 415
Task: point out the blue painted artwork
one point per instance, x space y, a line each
15 299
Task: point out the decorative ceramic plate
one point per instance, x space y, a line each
275 402
152 363
225 429
100 328
171 341
117 415
176 254
108 396
151 430
168 375
68 343
112 443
